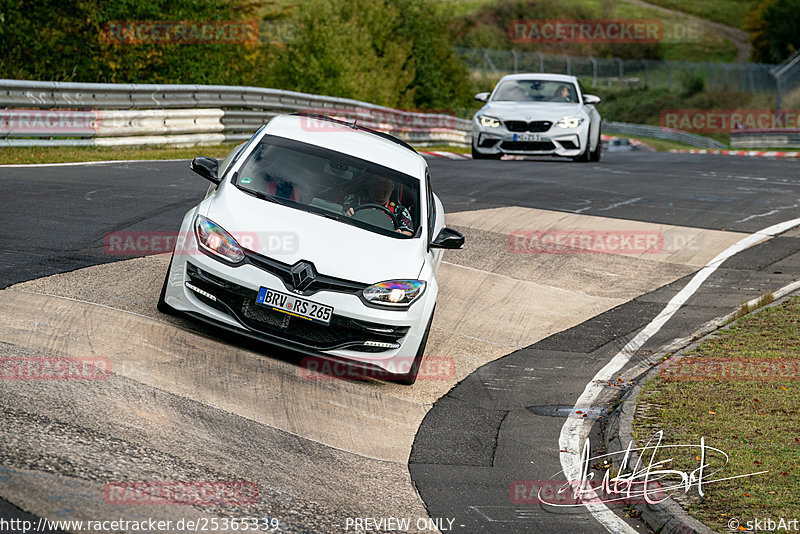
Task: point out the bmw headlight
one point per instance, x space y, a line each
213 239
569 122
489 122
399 293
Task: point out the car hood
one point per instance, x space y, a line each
536 110
336 249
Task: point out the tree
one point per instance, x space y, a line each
773 26
389 52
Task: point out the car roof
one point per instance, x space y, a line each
541 76
341 137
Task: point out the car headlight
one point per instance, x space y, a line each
212 238
394 292
489 122
569 122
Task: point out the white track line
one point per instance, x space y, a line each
576 430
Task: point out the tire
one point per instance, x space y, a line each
595 154
583 157
411 376
162 305
478 155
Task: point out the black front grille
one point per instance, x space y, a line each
487 142
240 303
568 144
532 126
527 146
321 283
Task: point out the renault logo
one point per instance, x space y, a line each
303 275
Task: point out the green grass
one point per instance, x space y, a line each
488 23
445 148
25 155
22 155
660 144
729 12
754 421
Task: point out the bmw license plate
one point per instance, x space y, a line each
527 137
285 303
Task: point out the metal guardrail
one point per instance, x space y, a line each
86 114
127 114
769 138
656 132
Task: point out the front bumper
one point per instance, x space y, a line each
565 142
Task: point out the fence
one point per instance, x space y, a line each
751 77
137 114
787 78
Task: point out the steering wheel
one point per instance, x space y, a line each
379 207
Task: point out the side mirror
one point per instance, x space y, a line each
591 99
482 97
206 167
448 238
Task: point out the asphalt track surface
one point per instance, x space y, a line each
488 431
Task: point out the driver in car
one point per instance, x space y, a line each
380 191
562 94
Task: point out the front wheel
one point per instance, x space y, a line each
410 377
594 156
162 305
583 157
478 155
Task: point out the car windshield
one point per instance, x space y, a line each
332 184
535 91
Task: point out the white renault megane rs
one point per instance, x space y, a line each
319 236
537 114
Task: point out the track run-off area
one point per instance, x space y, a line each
523 331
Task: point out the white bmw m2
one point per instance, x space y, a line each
319 236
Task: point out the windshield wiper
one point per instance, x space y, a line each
262 196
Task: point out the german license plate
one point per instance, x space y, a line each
285 303
527 137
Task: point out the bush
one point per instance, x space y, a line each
63 41
393 53
773 31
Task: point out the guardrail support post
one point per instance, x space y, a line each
594 70
516 60
488 61
541 61
569 64
621 70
